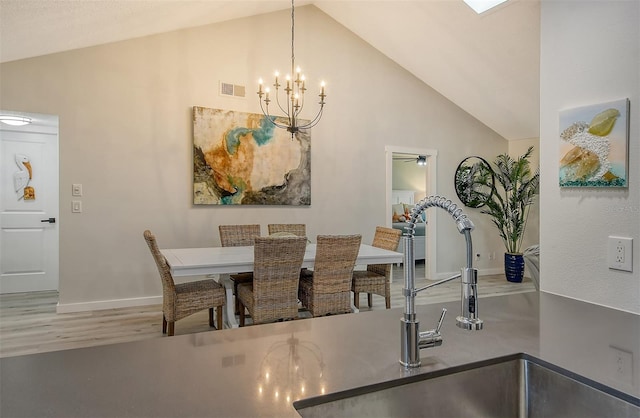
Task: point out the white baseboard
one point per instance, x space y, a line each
491 271
481 272
108 304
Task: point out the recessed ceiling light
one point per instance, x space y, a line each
14 120
481 6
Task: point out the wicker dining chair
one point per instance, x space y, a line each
299 230
238 236
273 293
327 290
295 229
184 299
376 278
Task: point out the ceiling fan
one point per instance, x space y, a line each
418 159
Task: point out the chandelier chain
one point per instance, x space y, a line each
293 34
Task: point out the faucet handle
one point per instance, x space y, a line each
432 338
444 312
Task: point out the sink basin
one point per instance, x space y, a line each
513 386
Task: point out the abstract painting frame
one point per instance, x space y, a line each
241 158
594 145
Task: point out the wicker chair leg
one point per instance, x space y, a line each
219 317
241 314
164 324
356 299
211 324
171 329
369 299
237 302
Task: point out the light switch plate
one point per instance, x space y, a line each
76 206
76 189
621 253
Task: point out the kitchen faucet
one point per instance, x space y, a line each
412 340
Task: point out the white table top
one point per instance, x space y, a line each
218 260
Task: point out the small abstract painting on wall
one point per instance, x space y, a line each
243 159
594 145
22 178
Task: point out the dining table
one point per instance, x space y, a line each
222 261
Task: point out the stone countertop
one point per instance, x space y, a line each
224 373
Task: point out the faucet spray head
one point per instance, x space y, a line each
469 318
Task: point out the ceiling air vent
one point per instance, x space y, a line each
233 90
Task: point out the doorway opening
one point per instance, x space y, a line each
414 179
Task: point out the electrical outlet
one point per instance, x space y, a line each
621 253
622 365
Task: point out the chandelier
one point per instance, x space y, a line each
293 98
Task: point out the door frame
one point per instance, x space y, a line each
47 125
431 189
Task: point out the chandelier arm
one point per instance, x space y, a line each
301 98
291 110
271 118
286 112
314 121
279 125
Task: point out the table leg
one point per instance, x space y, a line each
353 308
229 315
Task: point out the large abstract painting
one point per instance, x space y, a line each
243 159
593 145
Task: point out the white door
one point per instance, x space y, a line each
29 205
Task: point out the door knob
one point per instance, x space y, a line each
50 220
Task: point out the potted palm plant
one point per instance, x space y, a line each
515 189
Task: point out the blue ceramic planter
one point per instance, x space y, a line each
514 267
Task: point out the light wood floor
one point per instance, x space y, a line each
29 323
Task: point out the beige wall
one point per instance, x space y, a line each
576 223
519 147
126 135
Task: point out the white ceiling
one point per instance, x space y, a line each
487 64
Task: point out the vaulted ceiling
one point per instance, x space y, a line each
487 64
